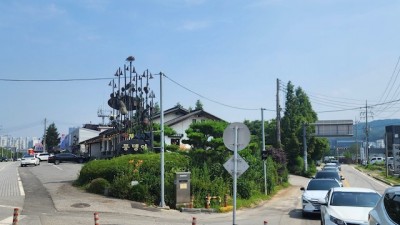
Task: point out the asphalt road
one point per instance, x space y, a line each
48 198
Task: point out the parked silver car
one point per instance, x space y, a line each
387 210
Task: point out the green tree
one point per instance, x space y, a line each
299 112
256 129
156 108
205 135
52 138
199 105
290 127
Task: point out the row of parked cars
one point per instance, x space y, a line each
325 195
36 158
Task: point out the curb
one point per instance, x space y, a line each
197 210
380 179
375 177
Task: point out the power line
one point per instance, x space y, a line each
52 80
209 99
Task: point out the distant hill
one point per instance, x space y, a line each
376 131
377 128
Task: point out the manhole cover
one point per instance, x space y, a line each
80 205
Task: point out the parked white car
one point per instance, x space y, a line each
316 189
377 160
29 160
42 156
348 205
387 210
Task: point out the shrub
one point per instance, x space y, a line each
139 193
144 168
120 187
98 186
243 189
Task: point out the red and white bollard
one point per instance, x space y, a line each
194 221
96 218
265 222
15 218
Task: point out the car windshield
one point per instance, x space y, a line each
326 174
28 156
322 184
392 205
357 199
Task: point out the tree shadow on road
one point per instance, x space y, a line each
297 213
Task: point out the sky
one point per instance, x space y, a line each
58 57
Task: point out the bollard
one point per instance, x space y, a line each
208 201
191 205
15 218
265 222
96 218
194 221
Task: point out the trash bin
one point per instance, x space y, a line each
182 183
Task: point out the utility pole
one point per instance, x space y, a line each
305 147
278 116
162 203
44 136
366 132
356 137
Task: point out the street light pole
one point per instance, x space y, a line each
162 203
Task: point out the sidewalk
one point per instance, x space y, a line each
118 211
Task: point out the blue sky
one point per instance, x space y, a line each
342 53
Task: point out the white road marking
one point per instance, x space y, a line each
9 220
21 188
8 206
57 167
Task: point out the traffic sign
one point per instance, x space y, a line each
243 136
242 165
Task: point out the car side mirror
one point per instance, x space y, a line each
322 201
341 177
302 189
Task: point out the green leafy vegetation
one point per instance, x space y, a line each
208 154
98 186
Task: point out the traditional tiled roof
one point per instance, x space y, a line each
193 113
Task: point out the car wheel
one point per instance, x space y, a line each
56 161
304 214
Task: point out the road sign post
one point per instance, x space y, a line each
236 137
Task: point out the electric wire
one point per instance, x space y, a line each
53 80
212 100
383 109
